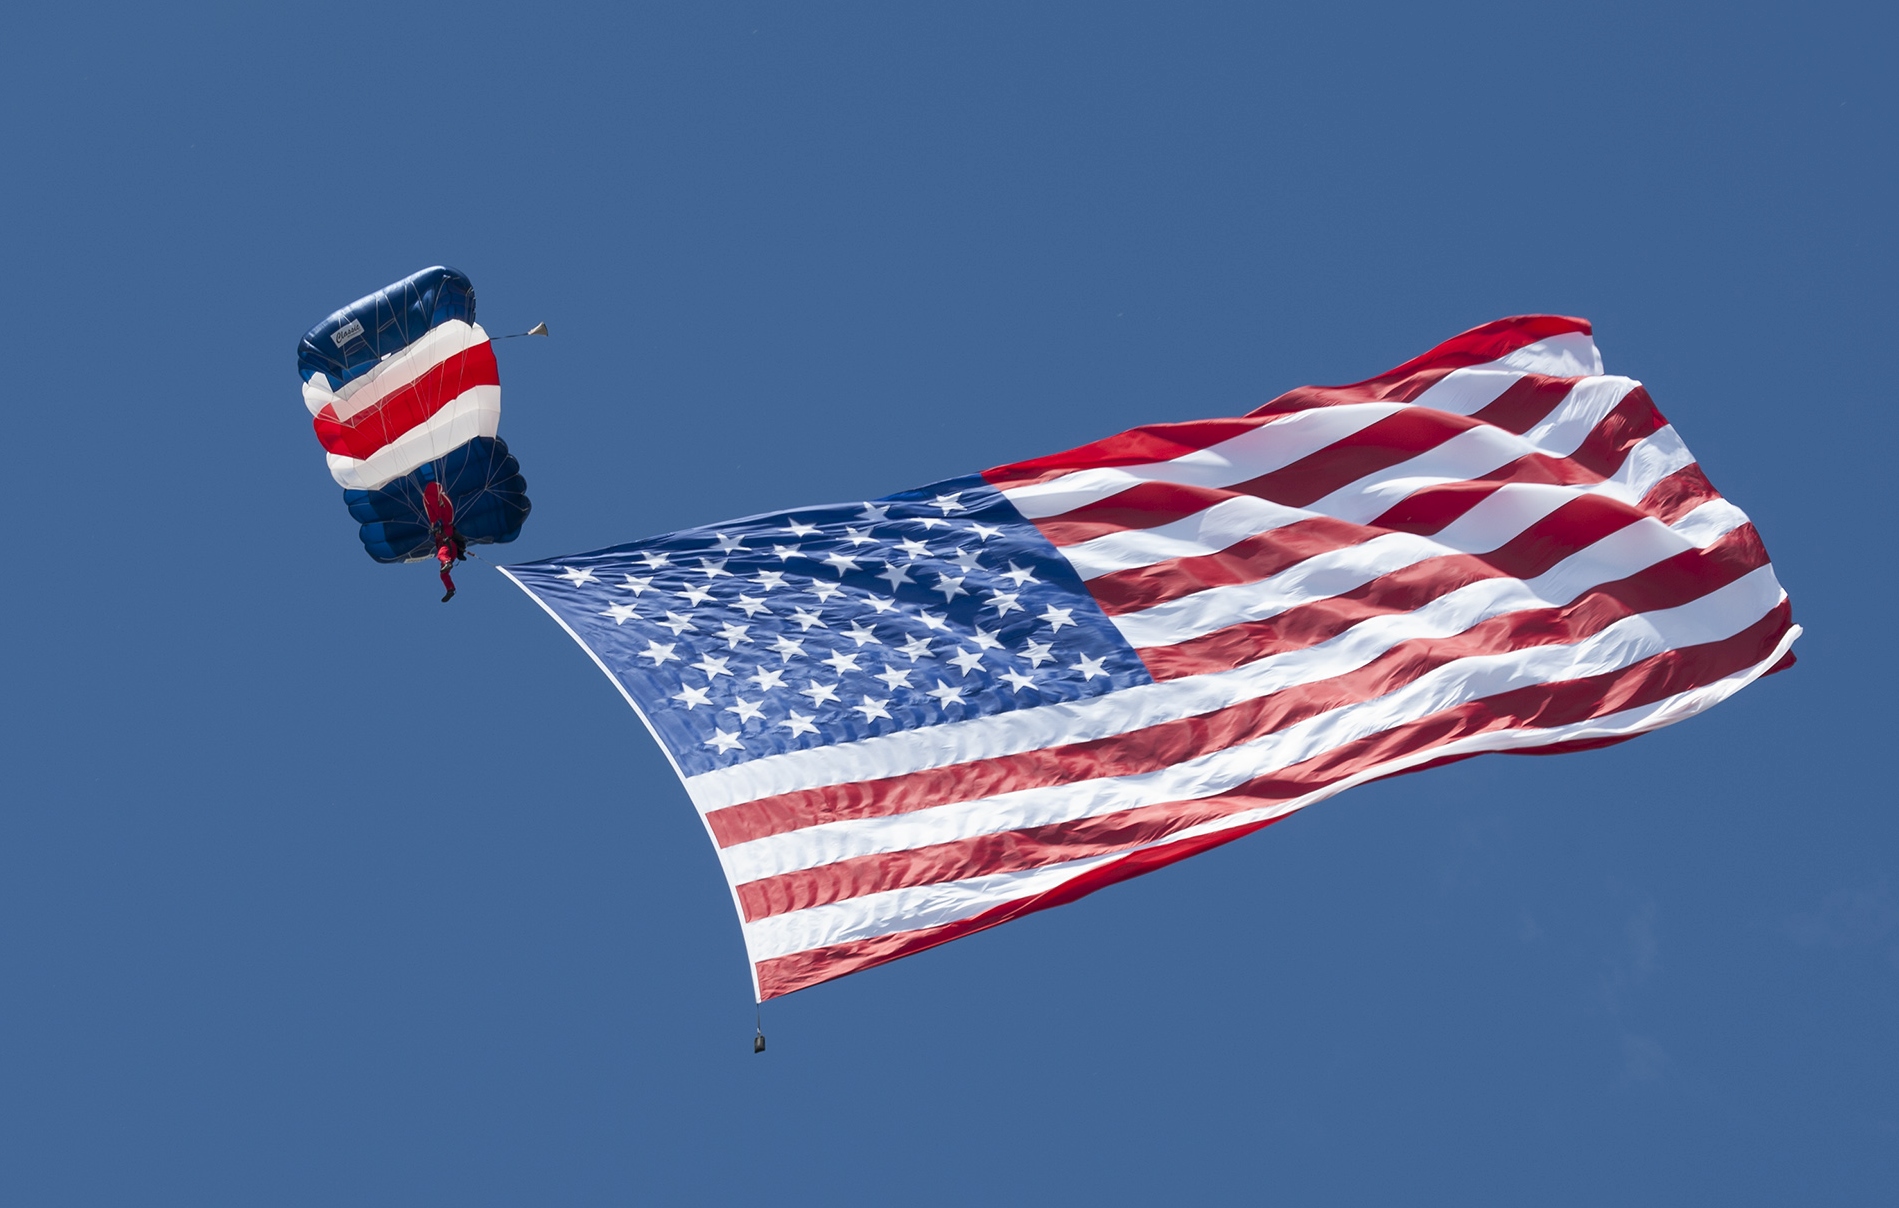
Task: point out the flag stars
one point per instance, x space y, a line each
788 648
873 709
734 636
751 606
843 563
949 503
805 619
896 575
967 660
636 585
946 695
893 678
840 662
729 545
858 536
1038 653
1090 668
819 693
880 604
725 743
951 586
768 579
932 620
656 559
691 697
985 639
983 531
767 678
678 624
713 568
713 666
1022 577
785 552
621 613
659 652
746 710
694 595
966 559
913 547
824 591
1058 617
862 634
1019 680
873 513
799 528
917 648
577 575
1005 602
799 723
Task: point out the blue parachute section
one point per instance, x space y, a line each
351 341
482 480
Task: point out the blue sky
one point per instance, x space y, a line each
315 891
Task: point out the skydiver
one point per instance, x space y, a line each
450 546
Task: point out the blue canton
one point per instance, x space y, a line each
831 624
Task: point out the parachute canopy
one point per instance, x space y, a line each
403 389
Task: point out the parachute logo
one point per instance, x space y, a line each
346 334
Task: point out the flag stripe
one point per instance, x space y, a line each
1012 896
370 429
1380 663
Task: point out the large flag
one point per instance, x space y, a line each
909 719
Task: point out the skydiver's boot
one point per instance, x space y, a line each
448 583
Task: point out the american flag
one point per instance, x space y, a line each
912 718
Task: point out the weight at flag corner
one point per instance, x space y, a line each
908 719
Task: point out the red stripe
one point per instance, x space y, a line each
1163 442
1667 584
1678 494
374 427
1575 526
1544 706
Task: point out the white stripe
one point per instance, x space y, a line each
1277 442
934 905
1489 525
475 412
1572 354
393 372
1719 614
1153 704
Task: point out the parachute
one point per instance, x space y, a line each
404 391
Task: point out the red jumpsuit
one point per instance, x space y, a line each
448 543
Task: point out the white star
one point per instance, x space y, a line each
577 575
819 693
636 585
745 709
913 547
656 559
861 633
1019 575
873 709
880 604
621 613
713 568
1038 653
892 678
1057 617
767 679
788 648
784 551
806 619
1004 602
985 639
1019 680
947 503
713 667
898 575
967 660
946 695
932 522
840 662
799 528
691 697
799 723
734 635
858 536
917 648
951 586
1090 668
659 652
769 579
966 559
694 595
873 513
983 532
677 623
751 606
824 591
934 620
729 545
724 742
842 562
